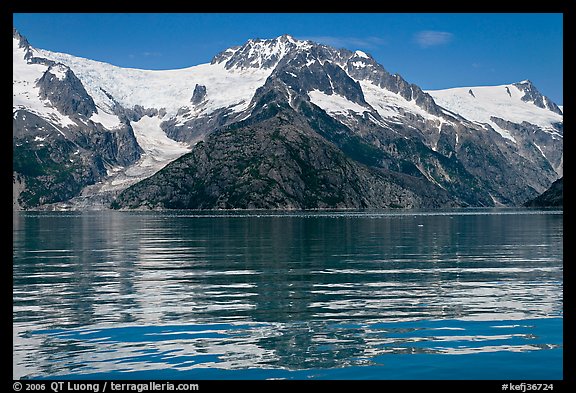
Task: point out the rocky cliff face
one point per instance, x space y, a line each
64 90
277 163
552 197
532 95
55 167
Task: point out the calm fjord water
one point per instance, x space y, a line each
460 294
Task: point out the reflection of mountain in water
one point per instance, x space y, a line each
292 291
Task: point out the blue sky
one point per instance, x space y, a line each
431 50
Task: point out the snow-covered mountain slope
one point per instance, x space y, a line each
170 90
261 54
529 121
392 105
145 99
230 81
25 91
503 141
483 104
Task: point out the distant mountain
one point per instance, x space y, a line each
278 123
552 197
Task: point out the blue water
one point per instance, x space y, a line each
462 294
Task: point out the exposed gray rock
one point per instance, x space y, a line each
64 90
199 94
18 186
54 164
278 163
196 128
544 149
23 44
531 94
136 113
552 197
48 167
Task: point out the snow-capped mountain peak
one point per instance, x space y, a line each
531 94
259 53
21 44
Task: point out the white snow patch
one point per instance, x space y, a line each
39 138
389 105
359 53
309 62
540 149
109 121
334 103
159 150
59 71
53 115
504 101
169 89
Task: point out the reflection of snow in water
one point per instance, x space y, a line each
104 292
246 346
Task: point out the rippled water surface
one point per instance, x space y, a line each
462 294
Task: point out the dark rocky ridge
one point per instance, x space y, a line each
198 94
552 197
68 94
23 43
531 94
277 163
